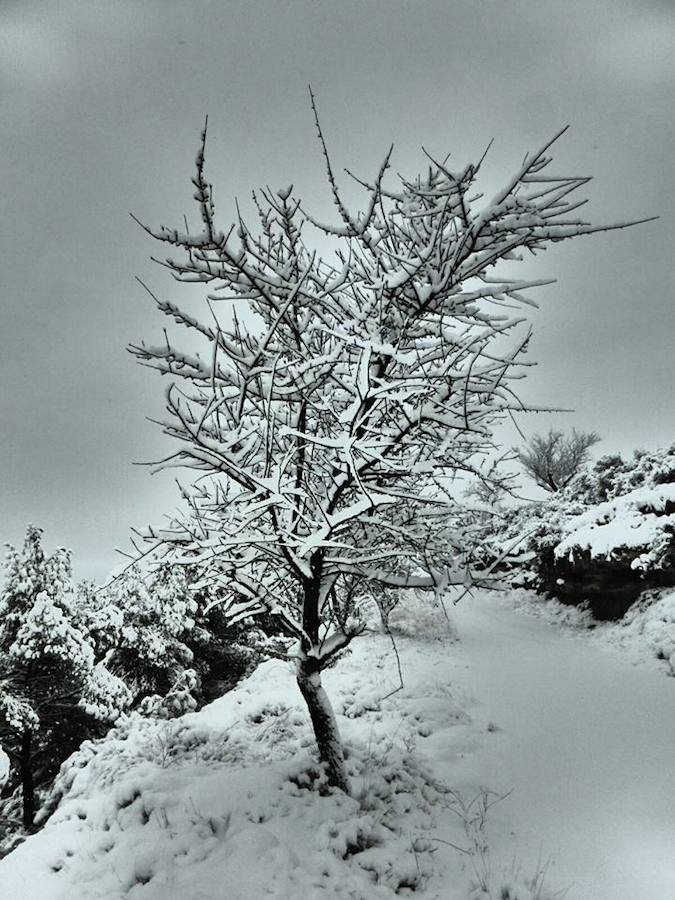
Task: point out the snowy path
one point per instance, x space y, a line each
586 744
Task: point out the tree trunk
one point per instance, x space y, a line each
27 782
323 721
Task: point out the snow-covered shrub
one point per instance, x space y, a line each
604 539
99 616
178 700
522 539
52 692
172 644
105 695
636 526
155 617
648 468
156 612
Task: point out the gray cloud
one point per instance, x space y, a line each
101 106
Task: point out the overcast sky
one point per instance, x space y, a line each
101 103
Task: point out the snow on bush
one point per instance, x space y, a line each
46 642
179 698
48 631
105 695
637 522
53 693
17 713
98 616
157 613
628 509
610 532
645 469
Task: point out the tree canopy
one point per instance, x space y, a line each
333 404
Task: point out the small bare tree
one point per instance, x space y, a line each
553 460
335 402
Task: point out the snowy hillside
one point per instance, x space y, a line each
231 795
228 801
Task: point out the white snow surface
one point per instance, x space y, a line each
646 634
220 802
4 767
631 521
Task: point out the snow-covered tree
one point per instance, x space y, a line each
52 691
554 459
97 613
333 403
224 652
156 615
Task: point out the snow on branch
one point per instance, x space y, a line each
337 402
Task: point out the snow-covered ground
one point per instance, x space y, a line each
227 802
586 745
645 635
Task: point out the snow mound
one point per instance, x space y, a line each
641 520
231 797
